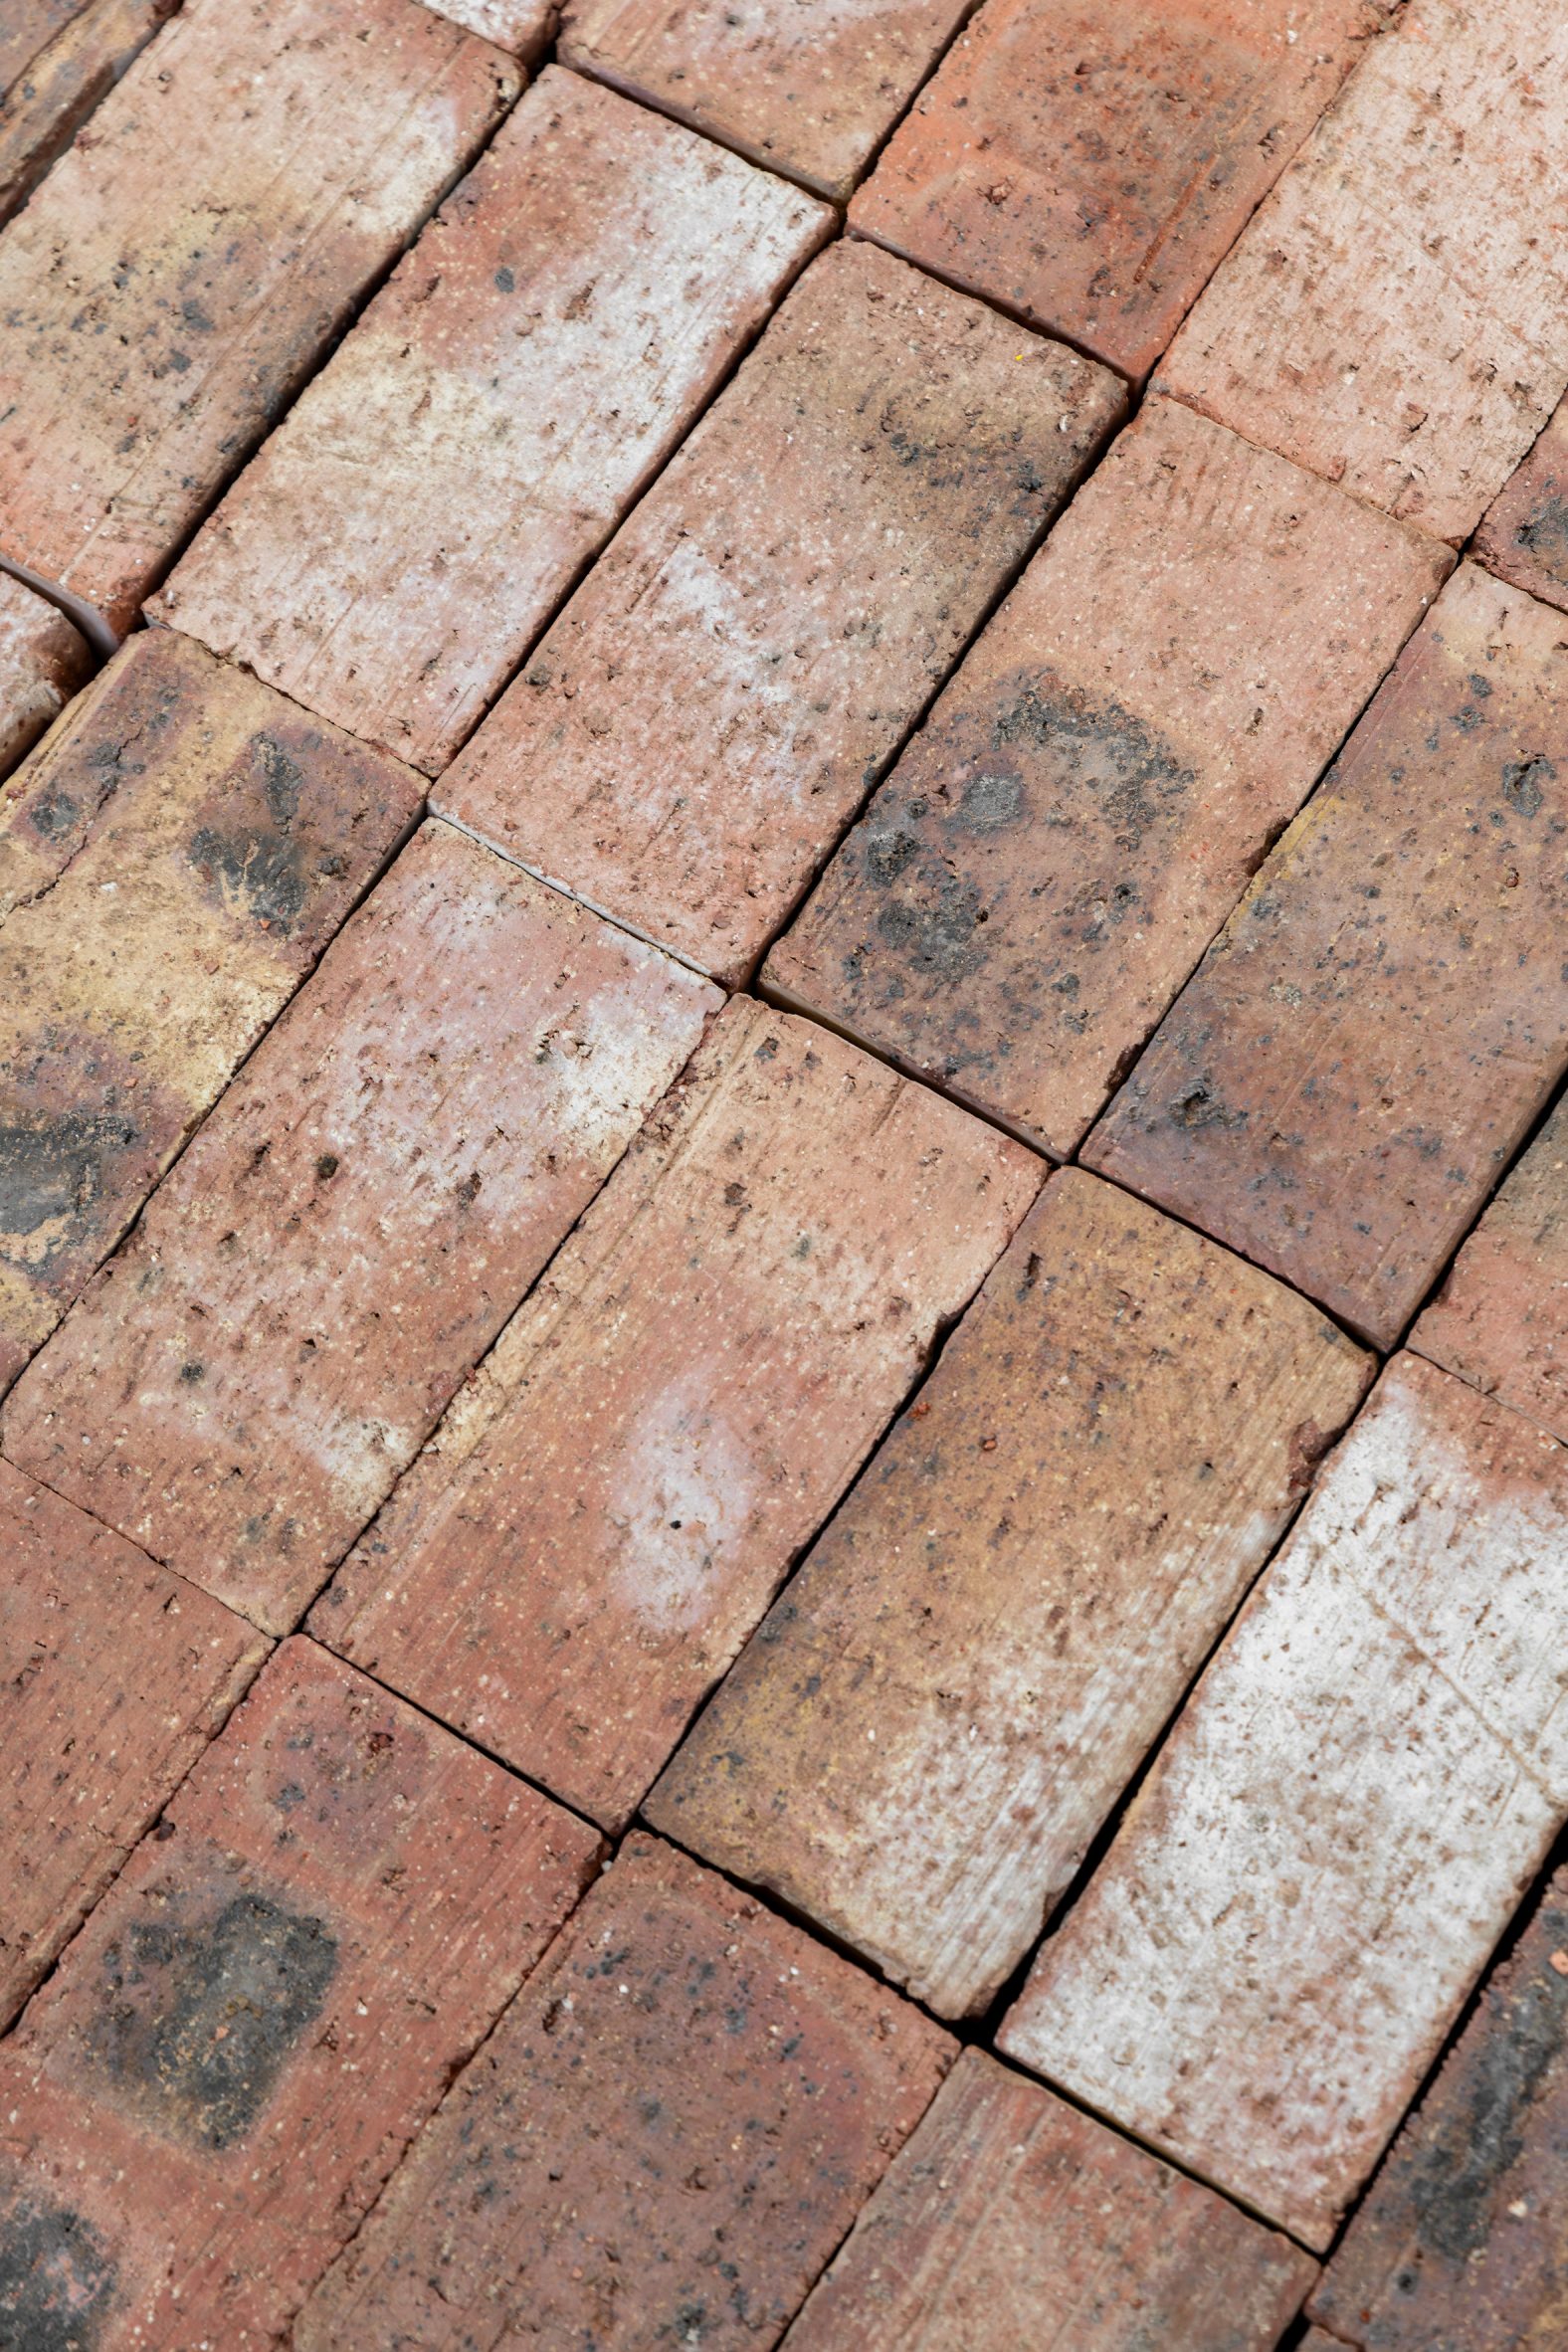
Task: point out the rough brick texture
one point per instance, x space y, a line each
408 531
115 1676
1461 2240
186 264
354 1225
28 27
1008 2220
686 743
1339 1828
43 662
742 1310
172 862
47 103
259 2017
1363 1049
1396 316
662 2143
1058 847
520 25
1086 162
1500 1319
1523 535
948 1700
809 90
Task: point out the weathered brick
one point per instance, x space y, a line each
520 25
1008 2218
948 1700
405 535
663 2141
1339 1828
244 1382
256 2019
689 740
1523 535
742 1310
1500 1319
811 91
1396 316
28 27
43 661
47 103
1461 2240
1369 1039
115 1676
183 267
172 862
1058 847
1088 162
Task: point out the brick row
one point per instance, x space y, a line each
47 99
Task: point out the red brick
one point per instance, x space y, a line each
1055 850
742 1310
809 90
244 1382
47 103
172 862
520 25
662 2142
28 27
1008 2218
183 267
43 661
1366 1043
1338 1830
1461 2240
948 1700
117 1674
409 529
1523 535
689 740
1086 162
1396 316
259 2017
1500 1319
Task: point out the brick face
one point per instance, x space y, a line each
350 1231
47 103
520 25
172 862
43 662
749 1300
1059 844
1368 1041
666 2137
1523 535
1341 1824
687 742
256 2021
116 1676
1086 162
149 350
407 532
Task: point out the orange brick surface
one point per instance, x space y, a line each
47 103
1523 535
256 2021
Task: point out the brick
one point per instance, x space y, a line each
1370 1037
1088 162
691 737
1500 1319
172 862
945 1702
664 2141
407 532
1396 316
43 662
811 92
520 25
242 1385
1523 535
47 103
1038 876
149 348
744 1308
1009 2219
1338 1830
28 27
1461 2238
117 1674
260 2014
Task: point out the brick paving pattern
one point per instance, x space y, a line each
783 1286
